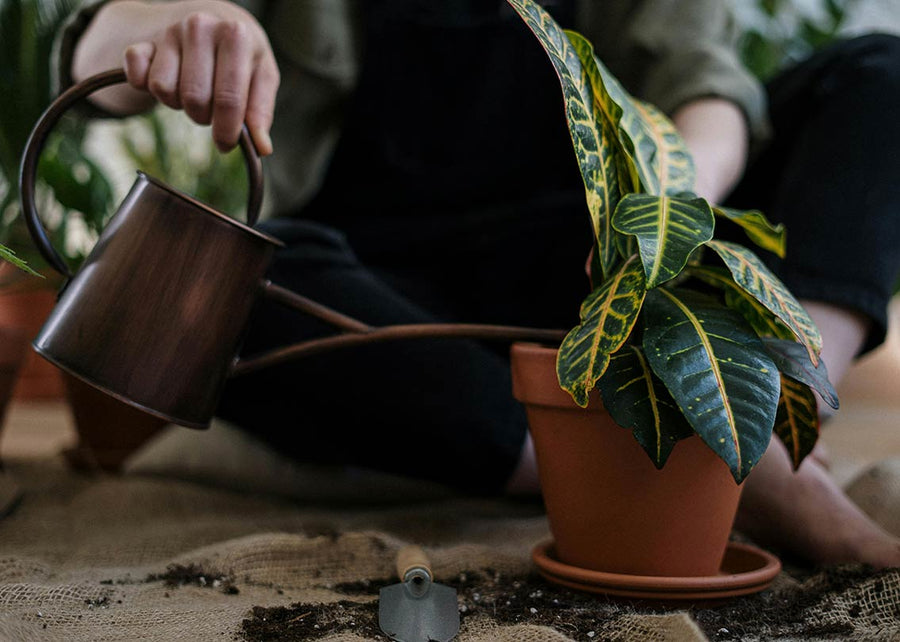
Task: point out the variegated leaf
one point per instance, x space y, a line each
592 134
797 420
658 161
606 90
737 298
671 167
612 100
718 372
668 230
752 275
607 316
758 228
637 399
626 245
793 361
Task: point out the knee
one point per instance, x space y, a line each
872 60
309 243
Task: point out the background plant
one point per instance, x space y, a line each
80 175
776 33
167 145
72 190
676 345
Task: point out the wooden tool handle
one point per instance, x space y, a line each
410 557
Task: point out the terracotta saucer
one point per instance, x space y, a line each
745 569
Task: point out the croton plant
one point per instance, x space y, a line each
682 333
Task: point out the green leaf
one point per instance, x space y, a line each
657 160
793 361
592 135
77 182
8 255
758 228
668 230
718 372
671 167
608 315
737 298
753 276
797 420
637 399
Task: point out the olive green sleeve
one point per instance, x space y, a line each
669 52
67 39
72 30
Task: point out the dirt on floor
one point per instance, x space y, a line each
580 616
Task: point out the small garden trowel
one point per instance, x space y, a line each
417 609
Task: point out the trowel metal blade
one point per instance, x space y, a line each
432 617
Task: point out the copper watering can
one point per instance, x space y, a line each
156 314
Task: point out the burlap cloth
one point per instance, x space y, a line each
157 555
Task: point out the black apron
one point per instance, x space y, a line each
458 120
453 195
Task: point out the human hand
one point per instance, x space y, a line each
209 57
214 61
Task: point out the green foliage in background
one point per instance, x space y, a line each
165 145
779 32
76 194
71 186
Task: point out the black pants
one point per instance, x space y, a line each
832 176
442 409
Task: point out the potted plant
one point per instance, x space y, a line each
697 350
72 188
13 343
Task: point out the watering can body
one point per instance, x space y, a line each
160 305
156 314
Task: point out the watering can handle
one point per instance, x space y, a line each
38 137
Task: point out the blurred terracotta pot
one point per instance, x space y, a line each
608 506
109 430
25 306
13 349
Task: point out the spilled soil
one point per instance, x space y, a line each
805 611
523 600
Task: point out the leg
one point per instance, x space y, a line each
836 190
438 409
805 512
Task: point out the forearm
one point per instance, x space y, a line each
715 131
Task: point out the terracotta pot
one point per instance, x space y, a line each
608 506
108 429
13 348
25 307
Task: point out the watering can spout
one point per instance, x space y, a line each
157 312
356 333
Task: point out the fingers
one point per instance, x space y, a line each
198 68
220 71
162 80
232 84
137 63
261 107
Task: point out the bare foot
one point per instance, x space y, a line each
808 515
821 454
524 480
